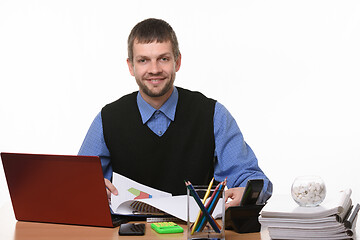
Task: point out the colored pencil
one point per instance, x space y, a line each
202 207
203 201
210 206
207 206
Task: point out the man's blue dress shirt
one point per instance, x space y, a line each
235 159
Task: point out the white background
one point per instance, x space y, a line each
288 71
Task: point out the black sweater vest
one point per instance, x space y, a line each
184 152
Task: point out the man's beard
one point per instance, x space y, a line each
163 91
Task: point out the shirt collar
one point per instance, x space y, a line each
168 108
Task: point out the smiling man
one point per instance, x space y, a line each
154 67
162 134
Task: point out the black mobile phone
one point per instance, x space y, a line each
130 229
252 191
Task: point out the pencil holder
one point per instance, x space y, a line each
205 213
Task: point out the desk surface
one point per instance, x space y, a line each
10 229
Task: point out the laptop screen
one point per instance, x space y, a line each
57 188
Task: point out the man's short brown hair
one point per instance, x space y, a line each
152 30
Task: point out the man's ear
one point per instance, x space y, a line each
178 63
131 66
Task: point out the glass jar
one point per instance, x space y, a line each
308 191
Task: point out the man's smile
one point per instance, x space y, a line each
155 79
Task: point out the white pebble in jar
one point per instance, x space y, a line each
308 191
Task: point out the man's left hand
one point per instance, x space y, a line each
234 195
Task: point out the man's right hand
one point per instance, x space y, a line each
110 189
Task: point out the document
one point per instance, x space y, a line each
138 199
284 207
333 219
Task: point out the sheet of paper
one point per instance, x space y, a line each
131 190
284 206
176 206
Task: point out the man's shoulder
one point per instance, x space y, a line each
193 94
124 104
124 100
195 103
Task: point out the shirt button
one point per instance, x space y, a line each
160 133
156 114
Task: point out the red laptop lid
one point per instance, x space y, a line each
57 189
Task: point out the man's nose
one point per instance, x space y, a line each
155 68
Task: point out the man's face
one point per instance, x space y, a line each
154 68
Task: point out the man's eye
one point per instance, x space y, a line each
142 60
165 59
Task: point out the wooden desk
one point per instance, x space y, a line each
10 229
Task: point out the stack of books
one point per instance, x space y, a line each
335 218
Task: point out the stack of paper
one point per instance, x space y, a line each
335 218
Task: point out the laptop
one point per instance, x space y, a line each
65 189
